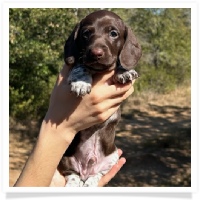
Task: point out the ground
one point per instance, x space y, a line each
154 134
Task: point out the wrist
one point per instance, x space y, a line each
45 157
57 132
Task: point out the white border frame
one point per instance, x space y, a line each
96 4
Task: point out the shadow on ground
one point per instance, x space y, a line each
156 147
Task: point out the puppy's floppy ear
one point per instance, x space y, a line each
131 51
70 49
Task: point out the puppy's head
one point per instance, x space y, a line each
101 40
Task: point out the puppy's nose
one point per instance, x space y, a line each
97 52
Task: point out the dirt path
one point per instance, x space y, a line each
154 134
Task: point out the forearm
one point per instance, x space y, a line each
45 157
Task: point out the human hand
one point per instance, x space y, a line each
111 174
68 114
59 180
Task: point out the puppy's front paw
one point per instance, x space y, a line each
80 88
126 76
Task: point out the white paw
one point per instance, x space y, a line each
80 88
73 180
93 181
127 76
134 74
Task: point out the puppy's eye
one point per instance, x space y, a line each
86 34
113 33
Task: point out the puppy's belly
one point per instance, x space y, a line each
90 160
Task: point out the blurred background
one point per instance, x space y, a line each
155 130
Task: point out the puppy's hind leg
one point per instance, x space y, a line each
93 181
73 180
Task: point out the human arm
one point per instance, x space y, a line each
68 114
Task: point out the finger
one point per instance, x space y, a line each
119 89
119 152
111 91
111 106
116 98
106 178
65 70
128 93
63 73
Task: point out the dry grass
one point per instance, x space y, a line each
154 133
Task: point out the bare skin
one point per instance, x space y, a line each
66 116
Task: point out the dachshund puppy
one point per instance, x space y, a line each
100 42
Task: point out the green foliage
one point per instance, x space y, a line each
37 37
165 35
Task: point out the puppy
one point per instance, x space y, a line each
99 43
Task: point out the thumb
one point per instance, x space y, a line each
65 70
63 73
